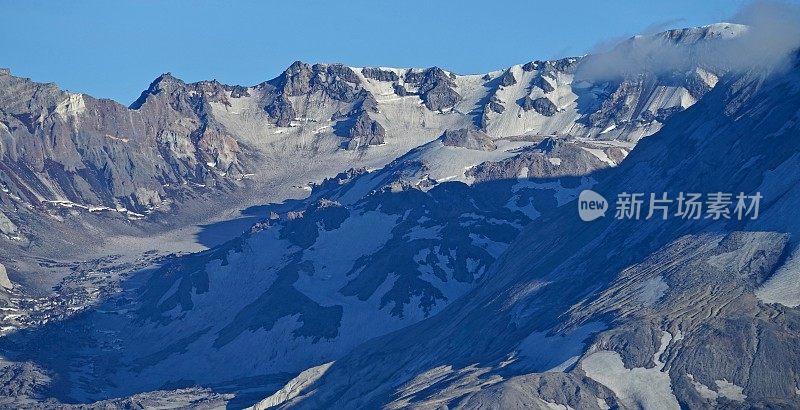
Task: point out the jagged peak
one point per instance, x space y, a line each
165 81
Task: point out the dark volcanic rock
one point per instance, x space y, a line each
548 145
572 160
400 90
496 105
564 65
368 102
531 66
542 105
508 79
281 111
542 83
302 228
361 129
616 105
435 87
468 138
441 97
296 80
335 80
380 75
365 131
237 91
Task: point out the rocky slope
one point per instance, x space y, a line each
666 314
365 254
423 226
84 178
70 150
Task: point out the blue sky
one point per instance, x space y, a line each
115 49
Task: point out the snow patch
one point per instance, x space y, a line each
601 155
784 286
652 290
730 391
293 388
702 389
638 387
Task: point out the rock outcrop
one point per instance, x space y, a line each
542 105
435 87
468 138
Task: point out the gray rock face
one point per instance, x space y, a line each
441 97
551 158
664 114
542 105
367 102
468 138
531 66
294 285
400 90
358 126
538 391
365 131
616 104
196 398
22 381
542 83
674 305
337 81
565 65
281 111
436 88
380 75
507 79
496 105
237 91
61 146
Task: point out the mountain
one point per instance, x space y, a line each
65 149
665 314
86 179
365 254
411 239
